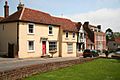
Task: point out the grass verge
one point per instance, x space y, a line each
100 69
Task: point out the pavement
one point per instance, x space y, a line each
13 63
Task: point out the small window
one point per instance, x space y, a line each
30 28
31 46
66 34
81 35
73 35
70 47
52 46
50 30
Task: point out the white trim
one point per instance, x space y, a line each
28 46
33 29
22 13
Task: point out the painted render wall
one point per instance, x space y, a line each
65 41
40 31
8 34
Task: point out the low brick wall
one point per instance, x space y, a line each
26 71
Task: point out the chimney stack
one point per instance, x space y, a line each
20 6
6 9
86 23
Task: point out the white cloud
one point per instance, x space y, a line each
108 18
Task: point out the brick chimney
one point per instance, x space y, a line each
99 28
86 23
6 9
20 6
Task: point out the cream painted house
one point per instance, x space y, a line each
31 33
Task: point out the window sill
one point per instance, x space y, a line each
31 33
53 51
70 52
66 38
50 34
73 38
31 51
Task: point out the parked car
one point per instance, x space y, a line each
116 54
95 53
87 53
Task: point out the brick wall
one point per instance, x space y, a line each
19 73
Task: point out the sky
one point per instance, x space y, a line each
98 12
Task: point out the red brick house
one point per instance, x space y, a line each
95 38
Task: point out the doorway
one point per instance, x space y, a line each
43 48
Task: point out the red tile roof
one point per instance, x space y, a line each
66 24
117 40
36 16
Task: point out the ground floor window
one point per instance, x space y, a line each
52 46
70 47
31 45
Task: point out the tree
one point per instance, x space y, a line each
116 34
109 34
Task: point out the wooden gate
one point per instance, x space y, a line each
11 50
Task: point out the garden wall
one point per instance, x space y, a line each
19 73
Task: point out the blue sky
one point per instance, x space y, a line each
77 10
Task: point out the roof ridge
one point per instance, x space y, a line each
38 11
62 18
21 13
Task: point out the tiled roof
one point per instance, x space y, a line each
36 16
117 40
14 17
66 24
1 18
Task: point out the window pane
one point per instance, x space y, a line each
70 47
31 45
52 46
31 28
50 29
73 35
66 34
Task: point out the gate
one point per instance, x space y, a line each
11 50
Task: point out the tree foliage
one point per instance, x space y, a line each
109 34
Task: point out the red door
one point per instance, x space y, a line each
43 48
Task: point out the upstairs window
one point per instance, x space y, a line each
31 28
73 35
50 30
66 34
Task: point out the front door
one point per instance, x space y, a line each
44 48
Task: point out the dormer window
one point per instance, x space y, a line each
50 30
73 35
66 34
31 29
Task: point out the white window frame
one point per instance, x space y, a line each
49 30
70 48
33 28
33 46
